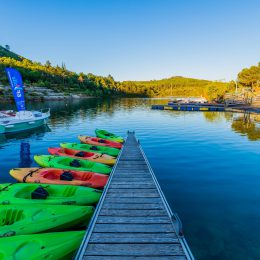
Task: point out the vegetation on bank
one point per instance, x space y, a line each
56 77
60 79
178 86
250 77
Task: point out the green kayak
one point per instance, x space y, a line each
68 163
91 148
32 193
25 219
109 136
51 246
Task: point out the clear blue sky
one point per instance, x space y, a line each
136 39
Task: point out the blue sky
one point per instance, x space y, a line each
136 39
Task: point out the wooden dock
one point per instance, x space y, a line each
189 107
133 219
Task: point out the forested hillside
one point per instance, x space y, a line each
56 77
178 86
60 79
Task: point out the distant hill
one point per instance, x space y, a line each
178 86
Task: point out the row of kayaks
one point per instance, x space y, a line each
38 214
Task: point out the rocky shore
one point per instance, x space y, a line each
38 93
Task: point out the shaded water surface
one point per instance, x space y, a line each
207 163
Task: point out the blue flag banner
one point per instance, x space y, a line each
16 82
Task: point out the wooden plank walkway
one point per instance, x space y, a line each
133 219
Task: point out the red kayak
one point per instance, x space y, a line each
58 176
77 154
99 141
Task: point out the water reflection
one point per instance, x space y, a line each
37 132
25 155
69 112
247 124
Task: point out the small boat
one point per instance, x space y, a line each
32 193
68 163
109 136
51 246
59 176
25 219
77 154
22 120
10 121
91 148
99 141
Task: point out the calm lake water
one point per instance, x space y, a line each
207 163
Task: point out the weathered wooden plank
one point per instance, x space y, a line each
144 190
129 257
129 194
135 220
134 249
126 189
132 185
141 177
131 159
132 212
133 180
138 206
132 173
131 200
132 170
134 228
132 177
120 238
132 166
137 164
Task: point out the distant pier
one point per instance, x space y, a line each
190 107
133 219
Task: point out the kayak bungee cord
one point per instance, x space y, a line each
3 189
30 174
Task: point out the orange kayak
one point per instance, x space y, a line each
58 176
99 141
77 154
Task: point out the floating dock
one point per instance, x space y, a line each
133 219
188 107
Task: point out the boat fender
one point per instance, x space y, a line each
94 148
101 141
80 154
66 176
40 193
75 163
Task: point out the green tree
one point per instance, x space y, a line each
250 77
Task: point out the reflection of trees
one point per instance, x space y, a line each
228 116
246 125
213 116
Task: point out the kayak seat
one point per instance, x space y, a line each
66 176
101 141
75 163
94 148
40 193
80 154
